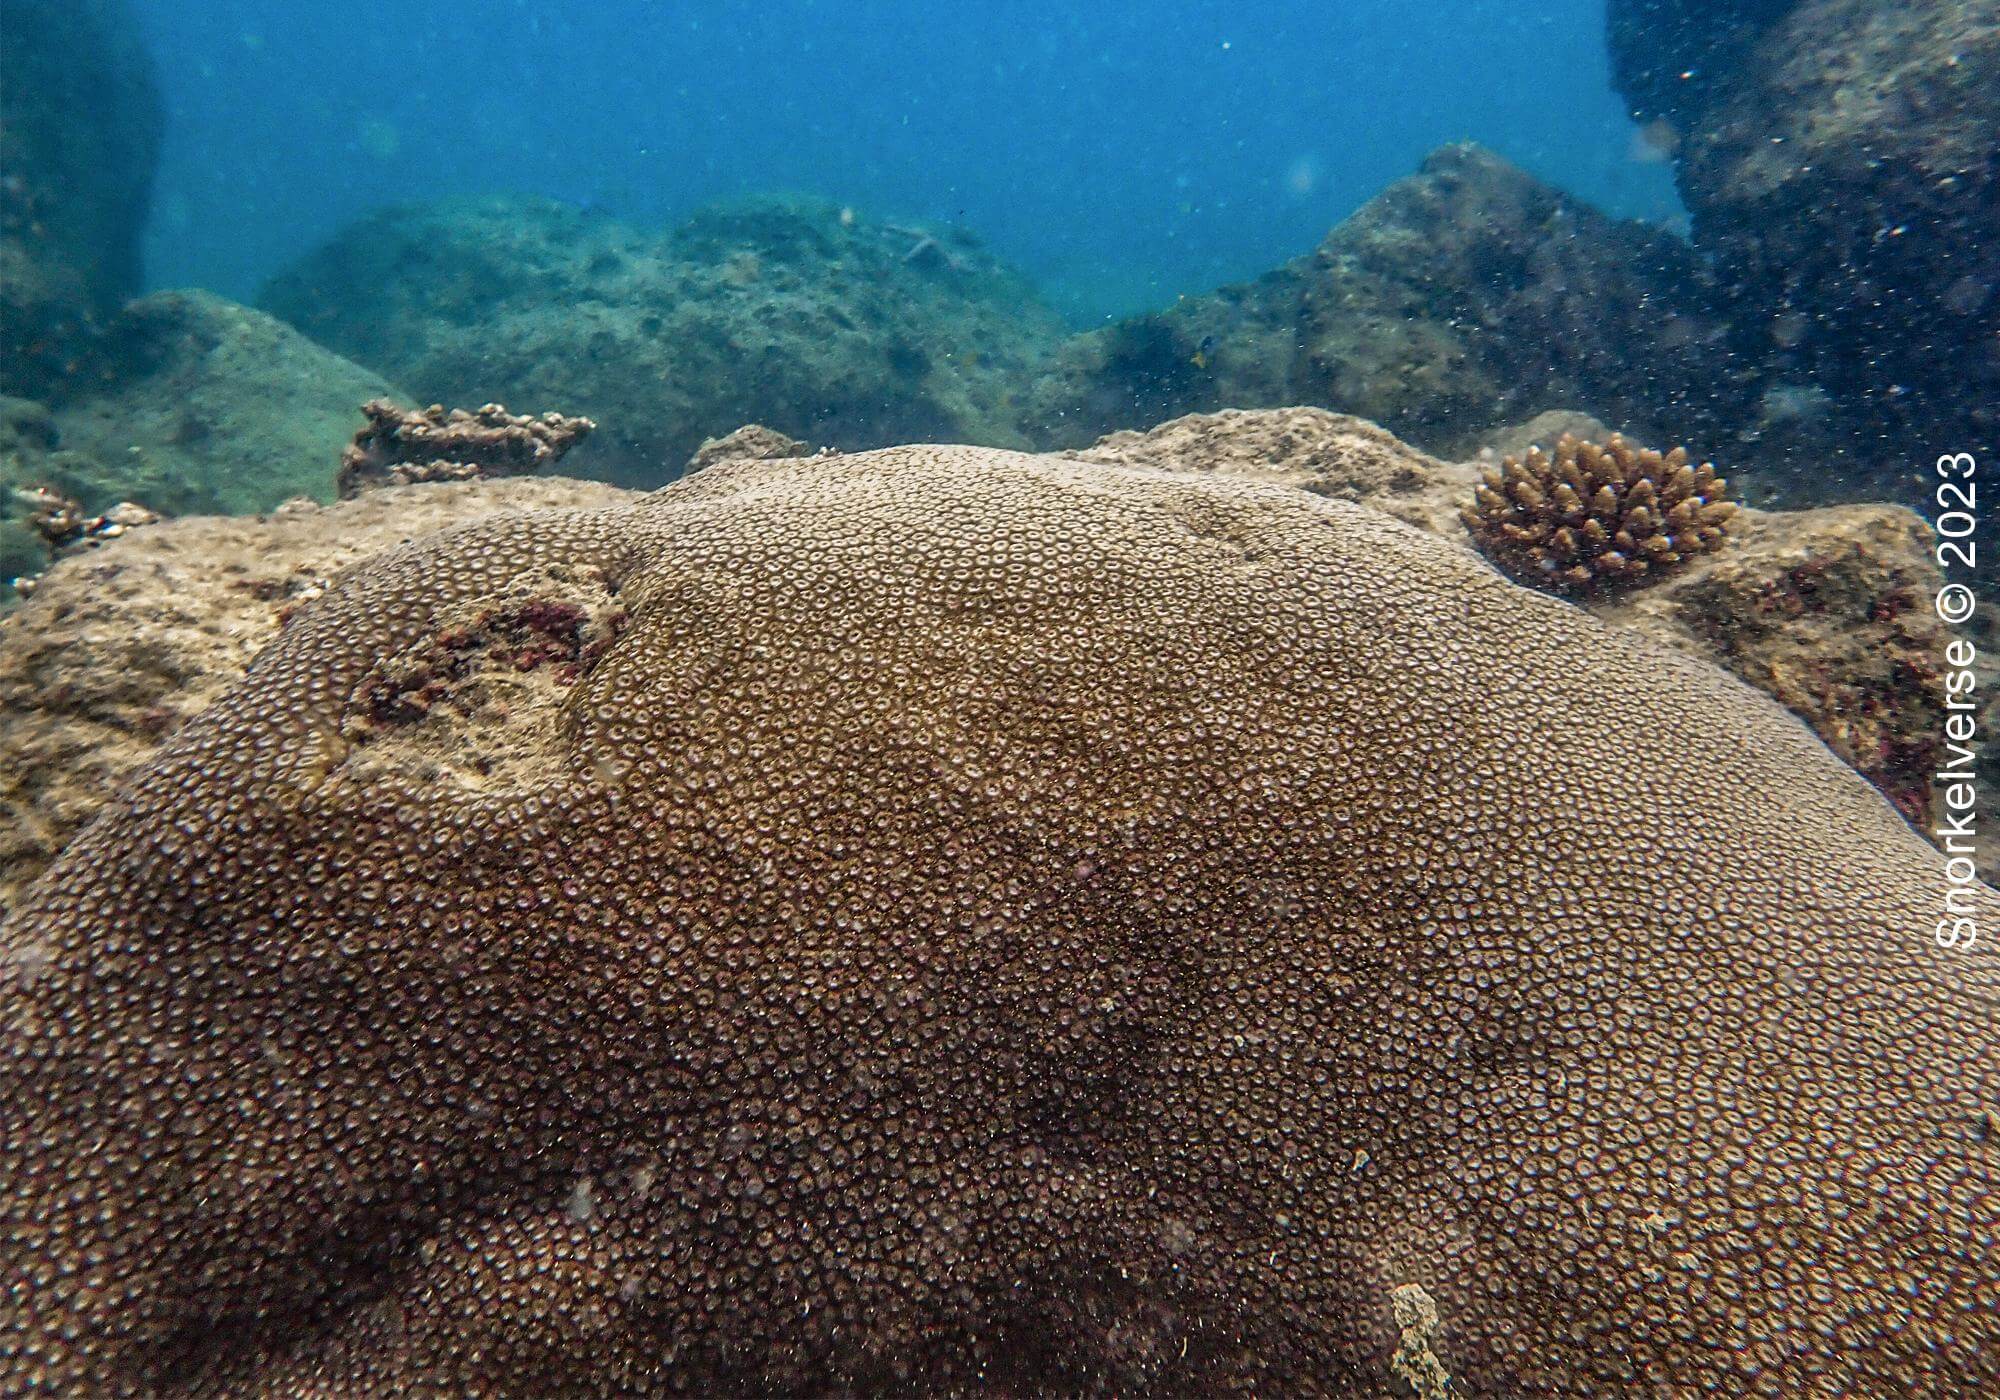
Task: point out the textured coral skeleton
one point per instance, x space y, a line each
399 446
983 922
1590 518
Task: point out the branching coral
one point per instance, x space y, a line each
1596 517
431 444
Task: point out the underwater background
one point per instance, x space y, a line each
887 698
1737 227
1119 154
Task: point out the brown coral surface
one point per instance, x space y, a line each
1591 517
1829 613
120 645
988 922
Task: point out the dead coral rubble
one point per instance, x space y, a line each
1596 517
752 441
400 446
122 642
61 521
64 524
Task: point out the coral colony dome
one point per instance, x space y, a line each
793 701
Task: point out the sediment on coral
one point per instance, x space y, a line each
399 446
1593 518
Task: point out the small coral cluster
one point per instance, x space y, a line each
404 445
1593 517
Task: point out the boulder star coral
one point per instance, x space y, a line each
982 922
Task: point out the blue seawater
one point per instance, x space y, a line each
1122 154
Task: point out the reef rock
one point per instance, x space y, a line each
984 921
1328 454
1841 159
1463 297
198 404
213 407
80 122
1544 430
1830 613
119 646
827 326
753 441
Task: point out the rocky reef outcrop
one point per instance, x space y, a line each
1465 296
1841 159
1005 922
214 406
827 325
80 123
194 404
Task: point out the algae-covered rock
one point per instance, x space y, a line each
194 404
825 325
1468 295
213 407
80 123
1841 159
